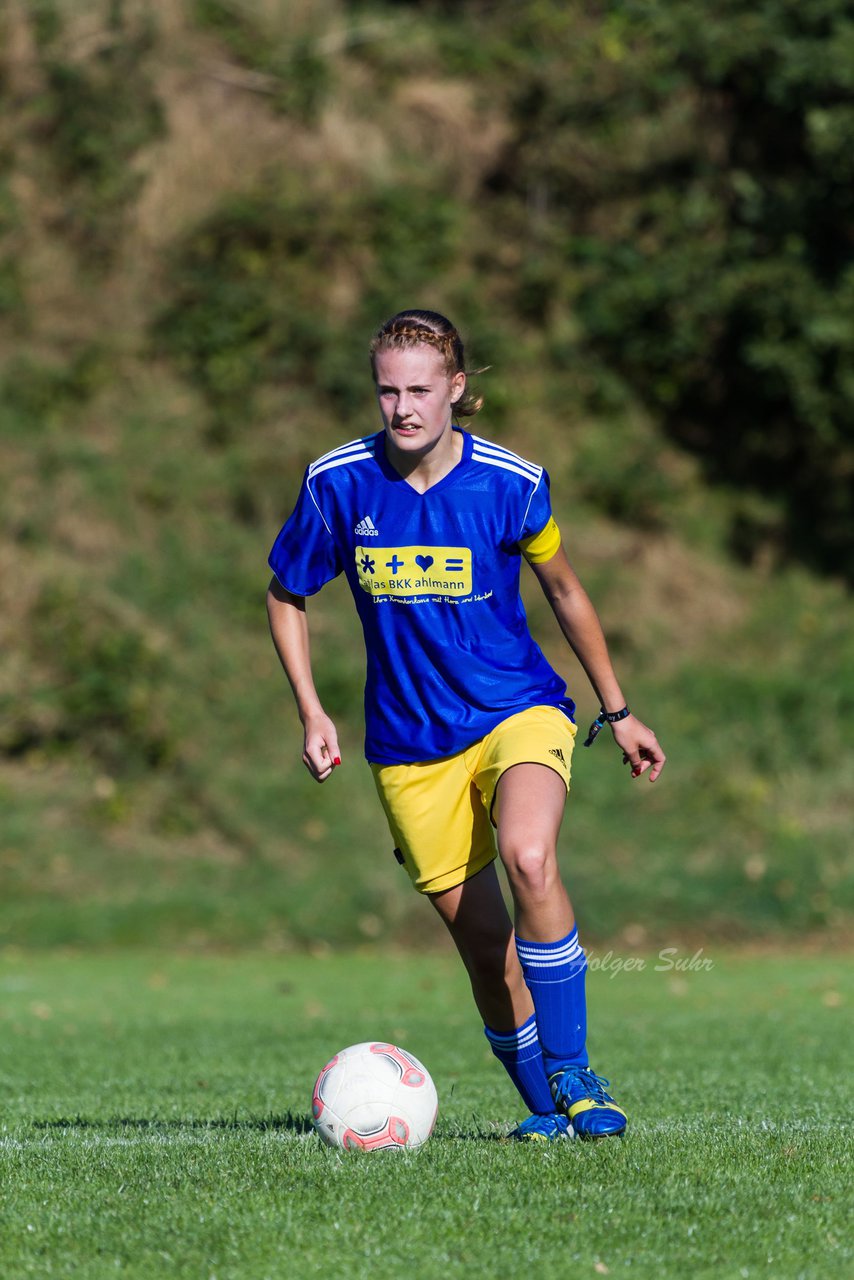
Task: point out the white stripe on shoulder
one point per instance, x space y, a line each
319 467
353 446
317 505
498 451
502 452
506 466
530 500
359 443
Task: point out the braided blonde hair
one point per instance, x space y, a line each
414 328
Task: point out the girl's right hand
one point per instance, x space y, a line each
320 753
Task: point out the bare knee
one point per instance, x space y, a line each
531 869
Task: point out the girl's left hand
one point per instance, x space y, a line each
640 746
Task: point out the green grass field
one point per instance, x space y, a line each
155 1123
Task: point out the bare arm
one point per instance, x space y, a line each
580 624
289 629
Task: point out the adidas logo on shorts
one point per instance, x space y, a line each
556 751
366 528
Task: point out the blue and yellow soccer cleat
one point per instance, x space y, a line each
580 1095
542 1129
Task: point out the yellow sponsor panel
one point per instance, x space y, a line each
414 571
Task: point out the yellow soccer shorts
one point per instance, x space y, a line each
439 813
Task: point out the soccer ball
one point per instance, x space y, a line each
374 1096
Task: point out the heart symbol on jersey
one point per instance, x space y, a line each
423 562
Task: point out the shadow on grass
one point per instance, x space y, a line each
287 1121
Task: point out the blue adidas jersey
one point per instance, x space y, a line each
435 578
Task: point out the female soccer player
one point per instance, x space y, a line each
468 727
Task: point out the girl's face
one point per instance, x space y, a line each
416 397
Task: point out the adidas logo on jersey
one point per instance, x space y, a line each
366 528
556 751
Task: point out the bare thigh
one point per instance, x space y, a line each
528 810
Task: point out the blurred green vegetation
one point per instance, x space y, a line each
250 303
298 76
91 117
640 218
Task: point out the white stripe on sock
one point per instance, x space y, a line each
520 1039
548 959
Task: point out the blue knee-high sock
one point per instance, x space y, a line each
519 1053
554 972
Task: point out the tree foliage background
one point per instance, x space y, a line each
675 181
640 214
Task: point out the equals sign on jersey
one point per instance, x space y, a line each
453 565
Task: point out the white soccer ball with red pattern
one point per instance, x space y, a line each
374 1096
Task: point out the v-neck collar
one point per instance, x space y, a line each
450 476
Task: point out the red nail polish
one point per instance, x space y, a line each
337 760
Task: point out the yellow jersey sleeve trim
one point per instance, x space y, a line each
543 545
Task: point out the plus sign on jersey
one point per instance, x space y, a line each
414 571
